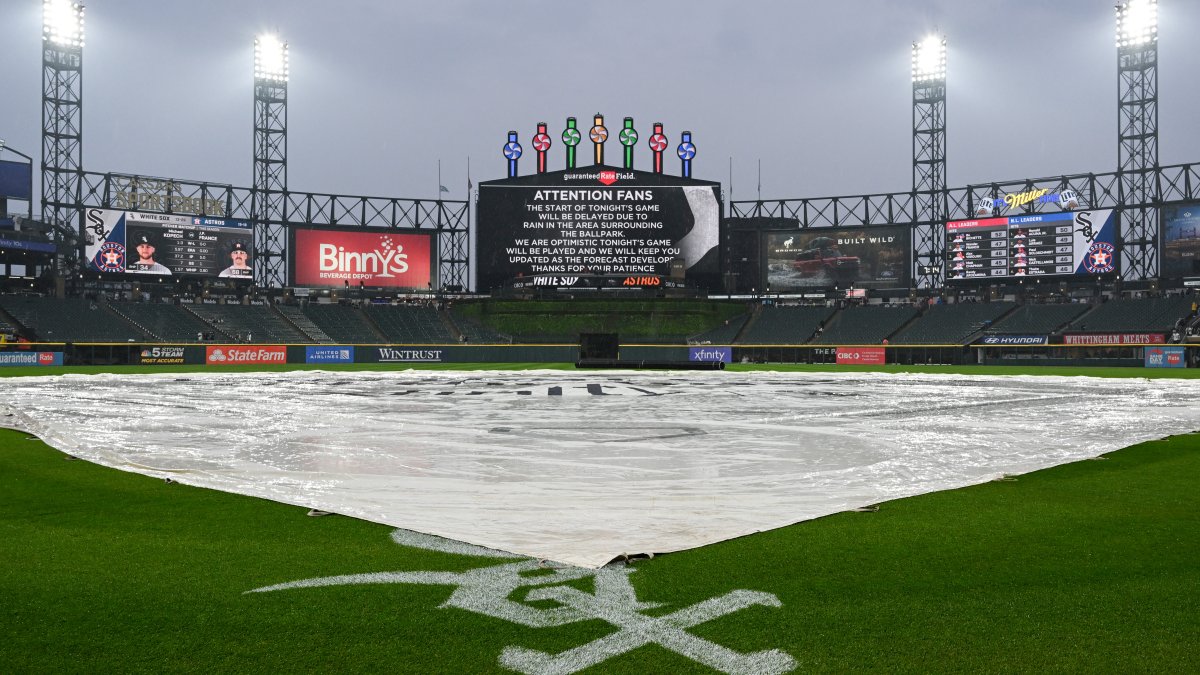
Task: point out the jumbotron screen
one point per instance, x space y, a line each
1080 243
560 227
865 257
1180 241
370 257
132 242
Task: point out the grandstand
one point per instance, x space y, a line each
1033 319
1149 314
69 320
952 324
404 324
343 323
163 322
250 323
784 325
866 324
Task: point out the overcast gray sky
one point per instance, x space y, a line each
820 92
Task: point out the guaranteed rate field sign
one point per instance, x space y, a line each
598 220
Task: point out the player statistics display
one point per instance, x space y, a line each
865 257
374 257
561 226
1040 244
133 242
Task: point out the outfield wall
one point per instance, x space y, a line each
81 354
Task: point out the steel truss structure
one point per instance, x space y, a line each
448 218
62 145
929 174
1170 184
270 178
1137 131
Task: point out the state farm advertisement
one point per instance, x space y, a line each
869 356
237 355
378 258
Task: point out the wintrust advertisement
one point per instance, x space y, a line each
237 355
375 258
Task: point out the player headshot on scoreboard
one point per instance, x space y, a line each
239 259
146 245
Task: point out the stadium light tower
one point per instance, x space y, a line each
62 121
1137 132
929 156
270 159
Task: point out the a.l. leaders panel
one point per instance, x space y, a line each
133 242
370 257
564 226
1080 243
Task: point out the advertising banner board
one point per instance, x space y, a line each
23 358
1115 339
711 354
1166 357
329 354
869 356
374 257
236 355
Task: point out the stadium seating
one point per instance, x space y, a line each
403 324
297 318
952 324
724 334
69 320
866 324
343 323
1144 314
1032 319
261 323
476 332
165 322
785 325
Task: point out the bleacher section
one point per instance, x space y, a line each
476 332
785 325
1037 319
69 320
297 318
261 323
722 335
168 323
1147 314
409 325
866 324
952 324
343 323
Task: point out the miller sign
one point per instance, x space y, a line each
383 258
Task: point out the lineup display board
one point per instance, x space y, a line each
865 257
133 242
1080 243
374 257
565 226
1180 241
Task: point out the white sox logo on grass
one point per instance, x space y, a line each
487 591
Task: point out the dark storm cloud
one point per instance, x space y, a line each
820 92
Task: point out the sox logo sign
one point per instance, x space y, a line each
487 591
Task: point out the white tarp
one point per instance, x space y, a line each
581 467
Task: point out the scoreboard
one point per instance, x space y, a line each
181 244
1034 245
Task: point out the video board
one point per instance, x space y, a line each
865 257
1080 243
16 180
372 257
133 242
566 226
1180 241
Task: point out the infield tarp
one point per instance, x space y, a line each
581 467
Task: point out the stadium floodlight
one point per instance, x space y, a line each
1137 22
62 22
929 59
270 58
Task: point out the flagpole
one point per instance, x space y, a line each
439 188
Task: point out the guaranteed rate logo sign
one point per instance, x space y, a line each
377 259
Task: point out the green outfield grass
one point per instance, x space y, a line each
1088 567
